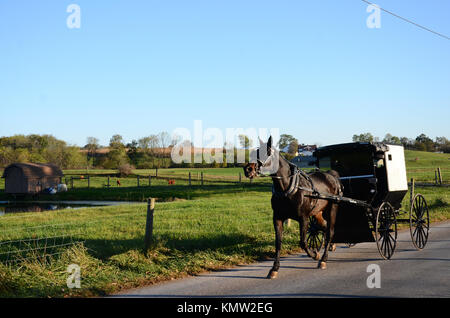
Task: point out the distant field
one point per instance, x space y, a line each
223 174
421 165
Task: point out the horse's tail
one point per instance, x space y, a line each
335 174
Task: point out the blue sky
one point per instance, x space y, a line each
313 69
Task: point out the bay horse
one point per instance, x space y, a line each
293 197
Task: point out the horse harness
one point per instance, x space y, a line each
294 186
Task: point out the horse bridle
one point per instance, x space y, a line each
294 176
261 164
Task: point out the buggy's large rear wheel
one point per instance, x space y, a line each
315 235
386 230
419 221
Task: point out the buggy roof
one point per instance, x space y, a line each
372 147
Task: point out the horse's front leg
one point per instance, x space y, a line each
278 225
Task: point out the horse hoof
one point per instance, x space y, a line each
317 256
322 265
272 275
332 248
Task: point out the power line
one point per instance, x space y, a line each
409 21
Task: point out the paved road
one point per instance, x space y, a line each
410 273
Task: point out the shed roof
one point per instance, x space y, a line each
35 170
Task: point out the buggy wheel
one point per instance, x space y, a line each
419 221
386 230
315 235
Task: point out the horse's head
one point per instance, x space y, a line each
263 160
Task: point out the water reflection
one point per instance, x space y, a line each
37 207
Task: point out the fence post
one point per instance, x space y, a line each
439 175
156 173
149 223
240 177
138 181
189 178
108 183
411 195
201 175
149 181
71 182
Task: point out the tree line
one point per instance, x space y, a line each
149 152
421 142
154 151
39 149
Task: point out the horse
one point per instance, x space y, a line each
295 196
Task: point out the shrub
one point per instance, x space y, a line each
125 170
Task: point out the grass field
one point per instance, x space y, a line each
421 165
208 227
192 236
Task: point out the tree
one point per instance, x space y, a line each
164 142
443 144
116 141
92 147
367 137
293 147
245 141
285 140
424 143
132 150
389 139
117 154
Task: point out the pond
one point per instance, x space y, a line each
24 206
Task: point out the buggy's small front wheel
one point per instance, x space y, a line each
386 230
419 221
314 235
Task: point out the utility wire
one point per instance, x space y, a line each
409 21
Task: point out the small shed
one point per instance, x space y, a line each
31 178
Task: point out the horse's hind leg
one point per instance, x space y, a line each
329 233
278 225
323 224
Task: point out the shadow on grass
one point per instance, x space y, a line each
226 243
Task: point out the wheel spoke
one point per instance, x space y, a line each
421 238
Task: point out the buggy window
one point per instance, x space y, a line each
352 163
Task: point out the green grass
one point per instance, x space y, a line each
421 165
190 237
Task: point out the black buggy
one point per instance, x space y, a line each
375 184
